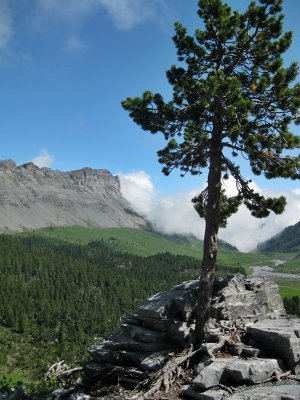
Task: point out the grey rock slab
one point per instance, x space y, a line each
205 361
132 319
252 371
158 324
120 340
101 355
236 370
95 370
143 334
60 393
251 352
211 375
211 394
177 302
180 331
155 361
135 357
279 337
282 392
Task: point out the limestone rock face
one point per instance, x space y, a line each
249 299
33 197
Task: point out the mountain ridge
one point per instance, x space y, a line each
32 197
288 240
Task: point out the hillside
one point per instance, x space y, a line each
145 243
33 197
71 293
286 241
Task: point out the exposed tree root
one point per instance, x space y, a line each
61 370
165 378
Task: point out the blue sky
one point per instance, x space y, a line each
65 67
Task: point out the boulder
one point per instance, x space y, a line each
236 371
211 394
280 337
154 361
177 302
249 299
211 375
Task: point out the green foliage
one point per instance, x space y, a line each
231 94
56 297
292 305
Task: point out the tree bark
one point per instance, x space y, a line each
211 235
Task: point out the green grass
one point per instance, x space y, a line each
134 241
22 358
145 243
281 255
291 267
10 379
288 288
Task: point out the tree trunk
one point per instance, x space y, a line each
210 238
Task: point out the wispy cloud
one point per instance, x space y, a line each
6 29
175 213
74 14
128 13
74 44
43 159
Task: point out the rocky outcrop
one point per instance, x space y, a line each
33 197
162 326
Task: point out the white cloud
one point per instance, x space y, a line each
128 13
175 213
125 14
5 24
138 189
43 159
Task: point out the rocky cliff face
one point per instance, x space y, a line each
33 197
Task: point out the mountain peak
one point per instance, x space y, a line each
33 197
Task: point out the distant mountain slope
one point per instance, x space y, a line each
286 241
33 197
146 243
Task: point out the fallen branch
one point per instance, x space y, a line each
278 377
71 371
60 369
293 377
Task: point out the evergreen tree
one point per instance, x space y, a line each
232 96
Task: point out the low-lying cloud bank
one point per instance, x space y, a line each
175 213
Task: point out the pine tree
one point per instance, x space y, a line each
232 96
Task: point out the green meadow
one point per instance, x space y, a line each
146 243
